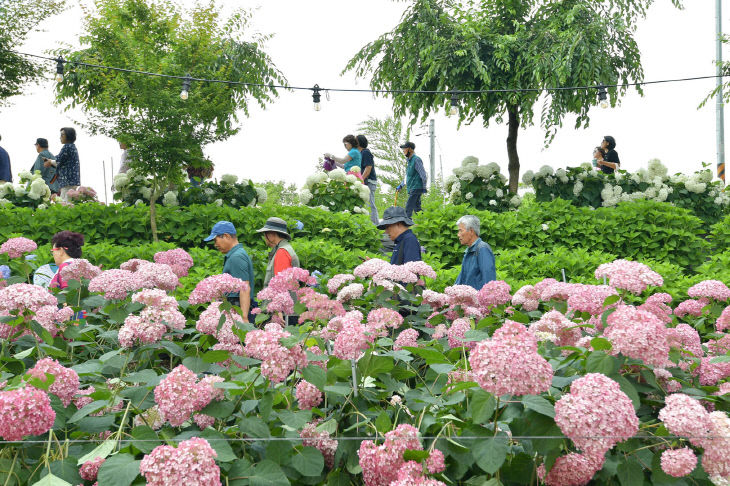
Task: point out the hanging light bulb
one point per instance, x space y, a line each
316 97
454 110
185 88
59 69
602 96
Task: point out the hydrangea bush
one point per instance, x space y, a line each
369 377
335 191
588 186
30 192
229 191
481 186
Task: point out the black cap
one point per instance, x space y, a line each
42 142
409 145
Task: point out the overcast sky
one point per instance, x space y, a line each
314 40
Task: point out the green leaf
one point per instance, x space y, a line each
431 355
308 461
268 473
24 354
630 472
216 356
415 455
254 427
600 362
628 389
219 409
145 377
102 450
610 300
295 420
539 404
601 344
118 470
482 406
221 447
382 423
146 438
92 407
196 364
720 359
51 480
315 375
490 453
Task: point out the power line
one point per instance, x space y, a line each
362 90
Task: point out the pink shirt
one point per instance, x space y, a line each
57 280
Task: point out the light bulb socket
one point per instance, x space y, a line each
59 69
316 97
454 103
187 82
602 96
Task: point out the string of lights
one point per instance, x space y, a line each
455 95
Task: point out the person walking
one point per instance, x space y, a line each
416 179
368 175
477 267
352 158
282 254
49 173
397 224
236 263
67 162
611 162
6 174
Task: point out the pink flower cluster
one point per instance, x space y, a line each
319 306
685 338
553 323
709 289
338 280
723 322
596 414
420 268
308 395
627 275
90 469
214 288
66 380
209 323
590 298
657 305
390 275
115 284
79 269
638 334
380 464
462 295
528 297
509 363
571 470
692 307
192 463
277 361
157 276
15 247
180 394
407 338
350 292
711 373
133 264
320 440
551 289
370 267
160 313
382 318
678 462
494 293
51 318
21 297
178 259
456 333
436 300
25 412
353 339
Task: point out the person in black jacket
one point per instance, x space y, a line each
611 161
396 225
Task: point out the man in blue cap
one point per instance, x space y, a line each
236 263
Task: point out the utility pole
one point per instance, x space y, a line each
719 106
432 136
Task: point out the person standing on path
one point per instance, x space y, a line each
48 173
282 254
396 225
236 263
67 162
368 175
477 267
352 158
416 179
6 174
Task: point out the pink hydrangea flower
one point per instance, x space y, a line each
209 323
178 259
133 264
692 307
462 295
383 317
319 307
160 313
79 269
89 470
157 275
66 383
638 334
685 338
528 297
509 363
711 373
215 287
337 281
115 284
370 267
395 273
25 412
152 417
723 322
291 279
590 298
494 293
436 462
685 416
596 414
456 333
420 268
627 275
51 318
406 338
380 464
351 291
716 459
191 463
180 394
710 289
440 331
308 395
678 462
571 470
436 300
555 323
277 361
320 440
560 291
16 247
203 421
21 297
657 305
352 341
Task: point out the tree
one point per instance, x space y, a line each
18 18
166 133
384 137
513 45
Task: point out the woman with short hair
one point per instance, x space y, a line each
66 245
352 158
611 161
67 163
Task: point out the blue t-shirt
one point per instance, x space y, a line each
356 158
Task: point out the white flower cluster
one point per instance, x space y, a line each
350 181
31 186
170 199
487 176
229 178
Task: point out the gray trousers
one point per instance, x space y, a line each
373 185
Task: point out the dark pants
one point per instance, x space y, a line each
413 205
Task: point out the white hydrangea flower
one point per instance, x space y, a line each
586 166
261 195
694 185
337 174
577 188
40 206
499 192
229 178
20 191
146 192
170 199
482 171
350 178
469 160
493 167
305 196
458 172
544 171
492 202
450 181
24 175
138 202
37 189
657 169
662 194
528 177
550 181
219 202
545 227
468 196
121 181
467 176
354 169
5 202
705 175
515 201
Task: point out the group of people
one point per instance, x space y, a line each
359 156
605 156
61 172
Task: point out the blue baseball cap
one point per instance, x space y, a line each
221 228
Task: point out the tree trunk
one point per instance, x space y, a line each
514 159
153 213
